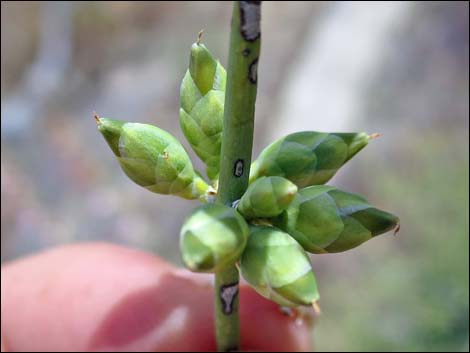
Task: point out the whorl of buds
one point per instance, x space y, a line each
290 212
277 267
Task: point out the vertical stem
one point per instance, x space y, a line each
237 143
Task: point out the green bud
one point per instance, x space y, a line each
267 197
308 157
152 158
324 219
212 238
277 267
202 96
202 67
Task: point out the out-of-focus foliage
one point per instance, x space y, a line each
396 68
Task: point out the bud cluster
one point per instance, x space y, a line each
286 211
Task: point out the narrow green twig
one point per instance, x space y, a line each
237 146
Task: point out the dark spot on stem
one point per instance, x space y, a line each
246 52
228 294
250 15
238 168
253 71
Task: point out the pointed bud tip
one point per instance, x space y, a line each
199 36
397 229
375 135
97 118
316 308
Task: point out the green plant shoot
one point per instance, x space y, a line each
266 216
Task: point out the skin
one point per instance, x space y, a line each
89 297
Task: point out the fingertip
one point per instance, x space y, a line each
55 299
106 297
175 314
264 327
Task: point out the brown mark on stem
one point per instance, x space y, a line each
250 13
238 168
253 71
227 297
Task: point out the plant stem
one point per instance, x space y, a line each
237 143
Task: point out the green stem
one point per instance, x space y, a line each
237 143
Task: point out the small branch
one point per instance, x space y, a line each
237 144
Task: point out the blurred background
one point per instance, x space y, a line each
397 68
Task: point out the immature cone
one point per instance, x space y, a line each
324 219
202 97
267 197
152 158
308 157
277 267
212 238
